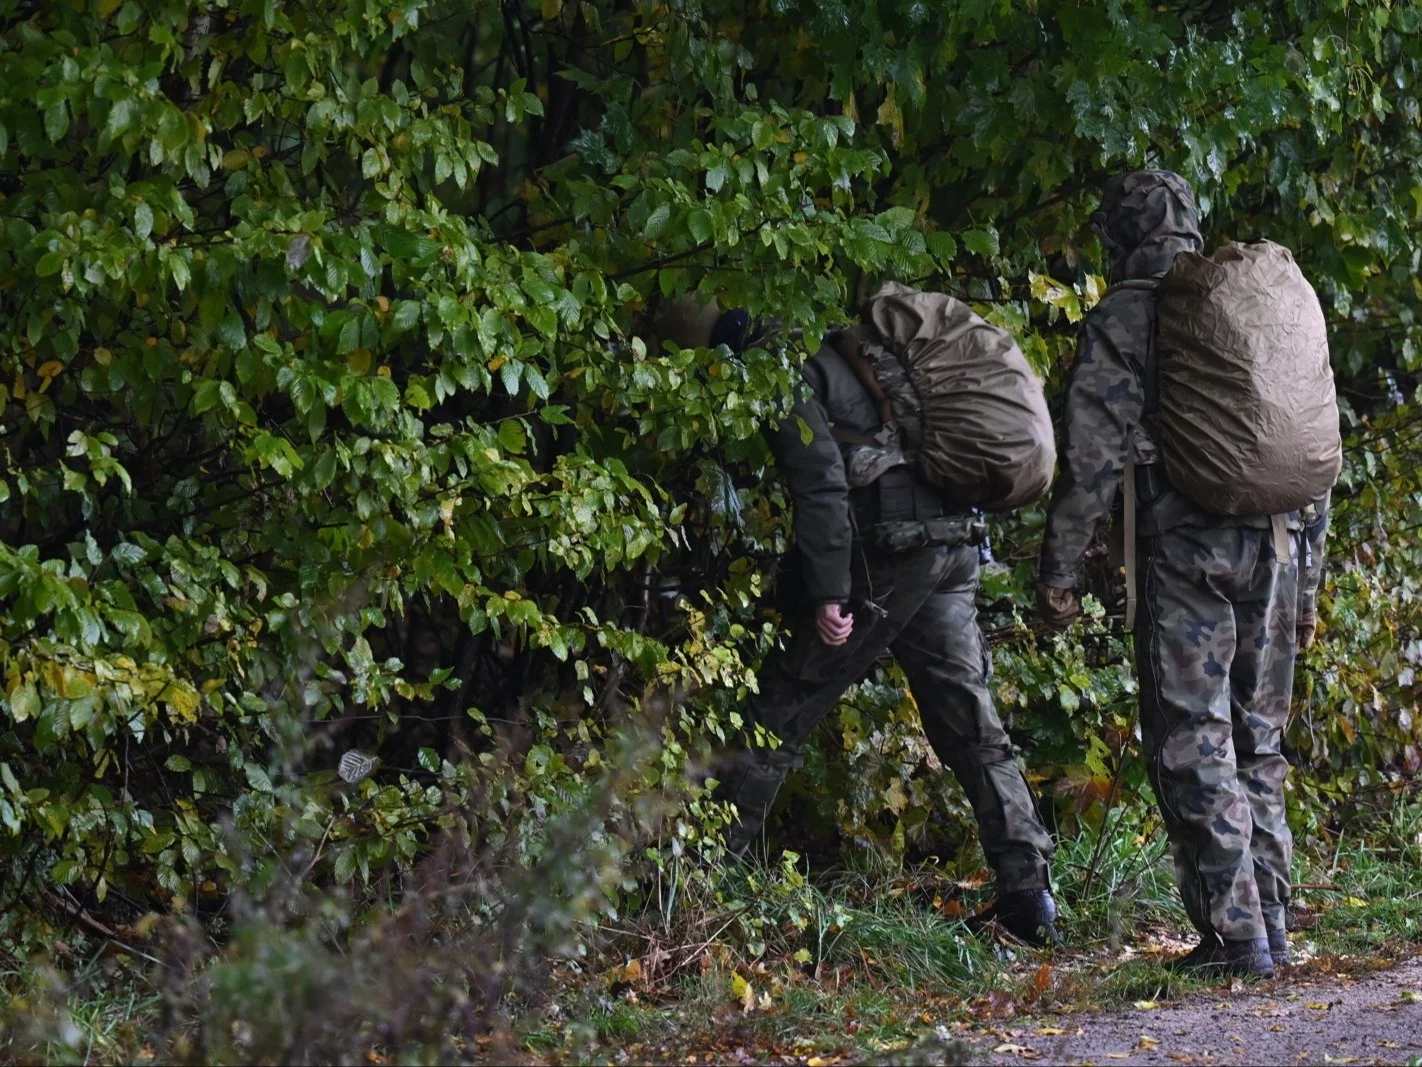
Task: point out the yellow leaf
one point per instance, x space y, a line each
739 986
497 362
1146 1005
632 971
182 701
1051 1031
382 372
102 356
1149 1042
1118 1055
1352 902
359 360
1317 1005
895 797
889 115
383 303
552 9
50 369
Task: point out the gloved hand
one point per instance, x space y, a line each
834 624
1058 608
1306 626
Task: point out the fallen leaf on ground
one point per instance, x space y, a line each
1118 1055
1277 1028
1389 1044
818 1061
1012 1048
1149 1042
1147 1005
1051 1031
1317 1005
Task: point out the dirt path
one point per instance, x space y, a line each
1373 1018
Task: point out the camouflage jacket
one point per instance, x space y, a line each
1146 220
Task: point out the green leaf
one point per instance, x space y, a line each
982 241
24 702
656 224
700 224
512 437
349 339
509 374
142 220
56 121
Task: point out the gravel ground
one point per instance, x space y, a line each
1371 1018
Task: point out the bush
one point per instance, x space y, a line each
334 422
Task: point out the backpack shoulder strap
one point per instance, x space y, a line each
849 345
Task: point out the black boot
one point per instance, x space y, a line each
1213 958
1029 915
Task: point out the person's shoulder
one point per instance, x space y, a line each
1128 299
1126 316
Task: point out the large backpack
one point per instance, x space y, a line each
973 416
1239 389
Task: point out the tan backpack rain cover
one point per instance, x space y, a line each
986 437
1248 416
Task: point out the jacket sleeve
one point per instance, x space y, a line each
1316 542
1104 404
815 474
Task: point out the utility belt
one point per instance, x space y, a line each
1146 483
908 535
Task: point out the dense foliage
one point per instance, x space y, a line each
333 417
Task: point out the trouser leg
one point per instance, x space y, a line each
1261 683
800 684
945 657
1186 642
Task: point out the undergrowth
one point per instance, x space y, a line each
878 963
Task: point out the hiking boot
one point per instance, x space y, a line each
1029 915
1279 949
1232 959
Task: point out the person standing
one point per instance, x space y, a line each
1222 605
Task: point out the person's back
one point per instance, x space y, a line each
886 563
1215 630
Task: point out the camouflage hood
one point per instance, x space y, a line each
1145 220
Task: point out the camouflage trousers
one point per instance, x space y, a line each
1215 646
929 622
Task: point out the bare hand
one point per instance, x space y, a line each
834 624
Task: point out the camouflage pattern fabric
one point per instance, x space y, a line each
929 622
1215 651
1215 636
